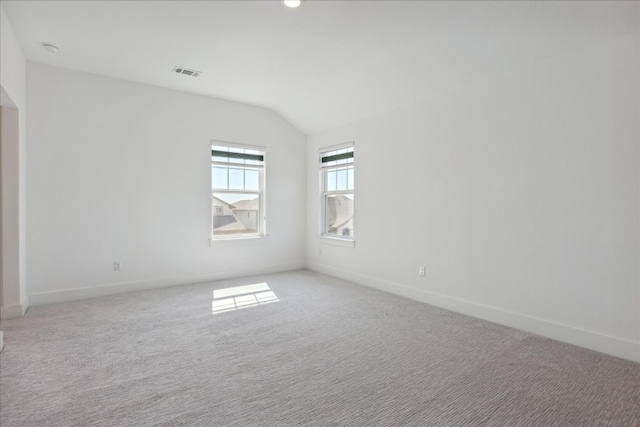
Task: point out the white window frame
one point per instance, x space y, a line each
326 237
261 215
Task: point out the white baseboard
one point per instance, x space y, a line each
13 311
588 339
162 282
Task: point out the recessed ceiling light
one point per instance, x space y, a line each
50 48
292 3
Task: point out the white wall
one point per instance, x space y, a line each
121 171
13 142
521 198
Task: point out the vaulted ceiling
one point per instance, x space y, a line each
321 65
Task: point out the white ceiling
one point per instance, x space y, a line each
322 65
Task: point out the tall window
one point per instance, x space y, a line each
237 190
336 176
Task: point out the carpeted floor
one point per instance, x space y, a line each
319 351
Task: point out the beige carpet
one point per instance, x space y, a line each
310 350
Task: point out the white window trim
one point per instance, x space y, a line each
262 232
337 241
349 241
337 147
224 240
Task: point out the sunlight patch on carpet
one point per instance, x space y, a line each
237 297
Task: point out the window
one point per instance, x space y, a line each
237 190
336 177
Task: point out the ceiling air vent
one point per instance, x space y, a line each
187 72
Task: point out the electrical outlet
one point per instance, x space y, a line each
421 271
117 266
320 251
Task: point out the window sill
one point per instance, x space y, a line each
337 241
223 240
